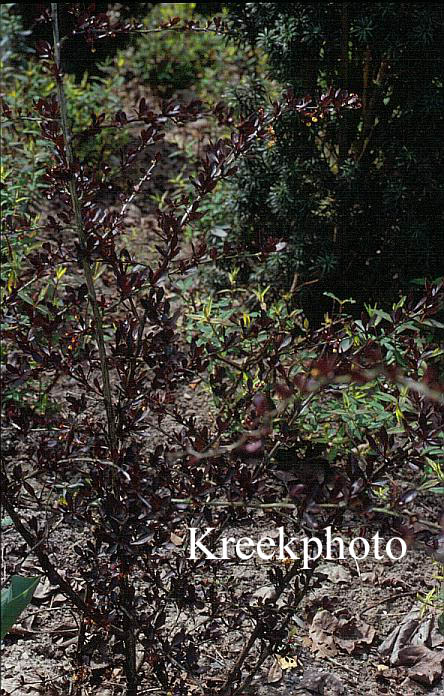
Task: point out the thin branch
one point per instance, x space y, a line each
345 37
110 32
368 125
89 277
236 503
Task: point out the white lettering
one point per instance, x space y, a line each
376 554
260 553
307 557
225 542
282 548
248 543
330 541
365 544
198 543
388 548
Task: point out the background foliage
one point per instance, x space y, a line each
358 199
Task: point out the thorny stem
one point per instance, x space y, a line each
129 638
87 270
366 79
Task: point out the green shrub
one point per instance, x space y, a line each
358 199
338 418
171 61
26 86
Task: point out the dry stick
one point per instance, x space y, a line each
87 270
344 667
103 33
235 503
388 599
285 504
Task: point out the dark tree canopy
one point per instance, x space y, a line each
358 199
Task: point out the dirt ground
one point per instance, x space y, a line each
373 599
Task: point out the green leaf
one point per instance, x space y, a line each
6 522
345 344
386 397
382 314
14 599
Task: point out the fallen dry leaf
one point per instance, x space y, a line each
328 633
423 633
400 636
409 645
275 673
428 670
411 655
353 634
317 682
287 662
321 634
176 539
43 591
24 627
318 602
57 600
334 573
413 631
390 673
425 665
265 592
